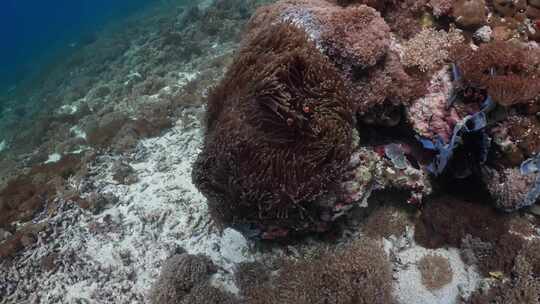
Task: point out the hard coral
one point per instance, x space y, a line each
429 49
509 188
278 133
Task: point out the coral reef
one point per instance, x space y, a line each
524 284
184 278
436 271
430 49
277 136
510 188
503 69
357 273
484 235
374 139
357 40
179 275
441 7
470 13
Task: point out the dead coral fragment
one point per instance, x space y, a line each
503 69
279 133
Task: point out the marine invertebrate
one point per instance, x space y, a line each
208 294
370 170
448 221
357 273
385 85
509 8
511 189
470 13
523 286
429 49
278 136
355 37
430 116
435 270
386 221
441 7
180 275
502 69
357 40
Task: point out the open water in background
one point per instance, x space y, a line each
34 33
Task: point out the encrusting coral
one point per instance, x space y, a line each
278 133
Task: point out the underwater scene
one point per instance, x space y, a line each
270 151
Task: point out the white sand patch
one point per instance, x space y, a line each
115 256
408 288
53 158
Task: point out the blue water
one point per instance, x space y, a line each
34 31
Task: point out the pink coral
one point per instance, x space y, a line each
429 115
355 38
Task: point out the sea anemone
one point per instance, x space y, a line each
278 134
502 69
